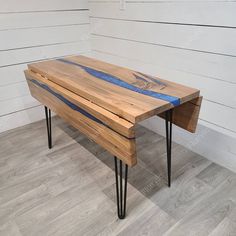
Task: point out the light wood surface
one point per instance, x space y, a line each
105 101
115 122
67 191
61 104
186 115
88 77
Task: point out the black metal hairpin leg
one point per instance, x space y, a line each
49 127
121 194
168 118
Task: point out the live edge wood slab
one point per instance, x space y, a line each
105 101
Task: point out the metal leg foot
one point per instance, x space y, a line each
121 194
168 118
49 127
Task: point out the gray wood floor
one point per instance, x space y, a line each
69 191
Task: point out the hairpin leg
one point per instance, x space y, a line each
168 118
49 127
121 194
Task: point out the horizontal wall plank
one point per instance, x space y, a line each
209 65
17 104
180 36
21 118
42 19
184 12
14 91
223 92
35 5
12 74
219 115
42 36
12 57
32 31
219 129
210 110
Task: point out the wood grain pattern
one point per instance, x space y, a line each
105 101
139 79
115 122
186 115
136 97
117 144
120 101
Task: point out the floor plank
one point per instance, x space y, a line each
70 189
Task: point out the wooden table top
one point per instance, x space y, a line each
105 101
129 94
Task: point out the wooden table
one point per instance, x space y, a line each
105 102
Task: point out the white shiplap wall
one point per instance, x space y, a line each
30 31
189 42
